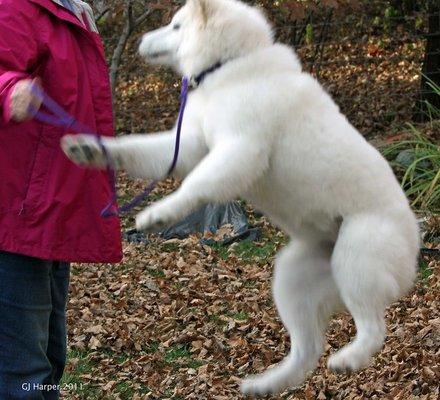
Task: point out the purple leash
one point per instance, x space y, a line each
62 119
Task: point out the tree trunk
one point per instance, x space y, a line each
117 56
131 24
431 65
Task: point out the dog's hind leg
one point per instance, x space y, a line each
305 295
373 264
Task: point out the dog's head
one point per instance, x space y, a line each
206 32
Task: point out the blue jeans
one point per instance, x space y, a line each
33 295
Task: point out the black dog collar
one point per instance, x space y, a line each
198 79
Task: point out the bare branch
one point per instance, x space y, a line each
141 19
131 24
102 14
129 14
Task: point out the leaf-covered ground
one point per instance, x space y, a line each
179 320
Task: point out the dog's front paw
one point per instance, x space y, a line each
84 150
153 219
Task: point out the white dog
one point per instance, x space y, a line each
259 128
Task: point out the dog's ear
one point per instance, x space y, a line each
203 8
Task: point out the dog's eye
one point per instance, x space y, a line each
176 27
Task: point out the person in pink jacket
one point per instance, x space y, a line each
49 208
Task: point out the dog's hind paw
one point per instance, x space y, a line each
273 381
260 385
255 386
252 387
349 359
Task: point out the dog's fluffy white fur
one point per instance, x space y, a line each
261 129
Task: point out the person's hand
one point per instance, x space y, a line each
24 104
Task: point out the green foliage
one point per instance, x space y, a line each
417 160
170 247
249 251
156 273
425 270
179 356
309 34
240 316
259 252
125 390
73 380
389 19
419 23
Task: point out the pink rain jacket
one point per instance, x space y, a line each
50 208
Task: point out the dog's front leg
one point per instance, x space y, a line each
223 175
142 156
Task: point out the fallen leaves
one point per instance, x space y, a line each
181 322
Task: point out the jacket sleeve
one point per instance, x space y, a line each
19 49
